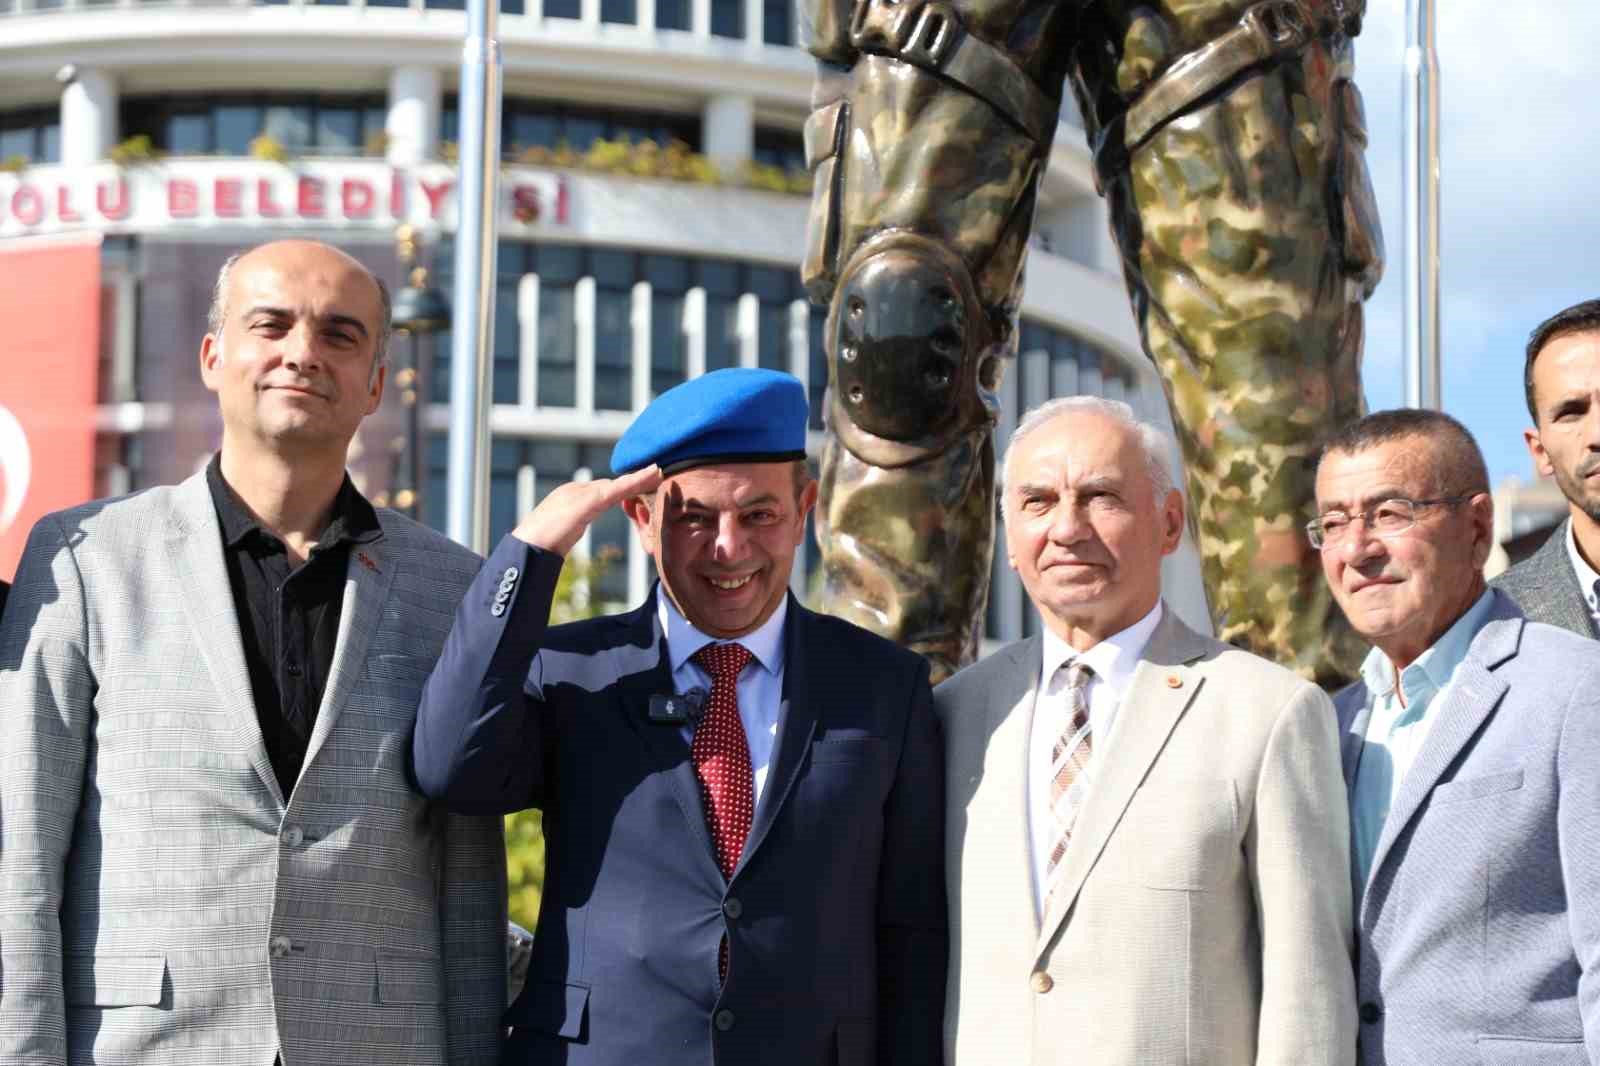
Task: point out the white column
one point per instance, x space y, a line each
528 341
88 117
700 18
639 322
694 333
800 343
583 300
413 120
730 132
754 21
747 328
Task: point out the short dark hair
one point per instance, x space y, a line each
1462 471
1579 318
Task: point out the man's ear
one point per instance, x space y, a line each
1481 508
1171 522
1541 458
640 510
210 360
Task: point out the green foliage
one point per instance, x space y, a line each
14 164
135 150
524 835
674 161
268 149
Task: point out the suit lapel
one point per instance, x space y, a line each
194 547
643 669
369 575
1558 584
797 721
1010 723
1474 693
1149 710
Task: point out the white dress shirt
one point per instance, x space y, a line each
1113 661
1588 580
760 686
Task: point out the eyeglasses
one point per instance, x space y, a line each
1389 518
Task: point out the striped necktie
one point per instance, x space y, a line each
1069 761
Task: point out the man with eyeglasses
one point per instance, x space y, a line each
1471 750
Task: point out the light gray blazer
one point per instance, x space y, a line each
1478 940
160 903
1206 920
1546 588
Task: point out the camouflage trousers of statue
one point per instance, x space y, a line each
1250 239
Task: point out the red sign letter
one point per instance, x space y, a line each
357 197
266 206
183 198
27 205
113 209
64 209
309 197
228 198
436 195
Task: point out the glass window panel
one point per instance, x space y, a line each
562 9
611 269
722 336
608 541
439 372
613 349
50 142
507 342
581 133
772 336
533 129
388 3
718 276
727 18
558 262
772 283
558 345
373 119
338 129
289 124
777 22
18 141
672 14
513 7
665 273
624 11
450 122
554 461
819 364
667 342
505 460
446 5
236 126
188 134
435 478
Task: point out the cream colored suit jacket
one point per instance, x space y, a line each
1205 919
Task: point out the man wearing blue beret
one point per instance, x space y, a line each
743 800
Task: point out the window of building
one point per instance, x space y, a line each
552 124
777 21
304 124
784 149
727 18
33 135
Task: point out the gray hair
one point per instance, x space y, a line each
217 315
1152 441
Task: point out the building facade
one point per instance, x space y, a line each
652 218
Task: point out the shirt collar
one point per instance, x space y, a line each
683 639
1113 660
352 517
1431 671
1588 579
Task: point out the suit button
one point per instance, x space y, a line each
1370 1013
732 908
1041 982
723 1020
280 947
293 835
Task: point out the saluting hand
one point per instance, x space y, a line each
561 517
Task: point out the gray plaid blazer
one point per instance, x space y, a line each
160 902
1546 588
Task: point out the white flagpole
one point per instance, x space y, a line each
472 348
1422 363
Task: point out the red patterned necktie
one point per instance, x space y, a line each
721 755
1069 759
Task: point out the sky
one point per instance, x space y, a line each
1520 185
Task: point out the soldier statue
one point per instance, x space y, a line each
1228 140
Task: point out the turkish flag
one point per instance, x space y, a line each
49 383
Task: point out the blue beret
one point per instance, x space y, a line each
739 415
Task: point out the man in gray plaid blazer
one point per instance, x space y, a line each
209 851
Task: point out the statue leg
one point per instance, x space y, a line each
1249 242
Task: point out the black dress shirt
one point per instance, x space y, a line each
288 615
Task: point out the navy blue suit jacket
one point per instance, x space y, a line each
835 915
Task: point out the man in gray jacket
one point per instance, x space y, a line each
1470 748
210 854
1559 583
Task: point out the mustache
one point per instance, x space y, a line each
1588 466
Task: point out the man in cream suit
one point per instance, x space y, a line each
1146 841
209 851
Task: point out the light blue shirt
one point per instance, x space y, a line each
760 686
1395 733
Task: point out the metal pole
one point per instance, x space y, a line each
471 362
1423 371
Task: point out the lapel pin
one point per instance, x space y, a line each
365 560
1174 681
